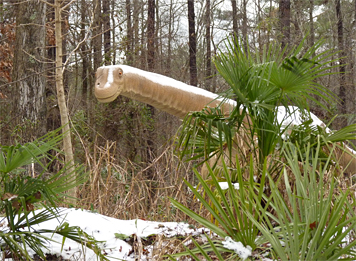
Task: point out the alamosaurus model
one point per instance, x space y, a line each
175 97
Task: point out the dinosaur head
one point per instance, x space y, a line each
109 83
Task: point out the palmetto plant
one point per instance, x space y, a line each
313 219
225 206
251 141
260 83
21 193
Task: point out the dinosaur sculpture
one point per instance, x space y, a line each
174 97
161 92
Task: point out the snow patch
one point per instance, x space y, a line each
238 247
225 185
104 228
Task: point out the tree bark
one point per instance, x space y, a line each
67 142
244 24
284 18
151 35
192 44
342 68
97 40
84 54
208 46
29 104
151 67
170 36
311 22
129 38
106 29
235 27
136 41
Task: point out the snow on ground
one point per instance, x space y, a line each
104 228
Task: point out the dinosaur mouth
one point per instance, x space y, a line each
107 98
105 93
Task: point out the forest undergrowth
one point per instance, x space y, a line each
120 188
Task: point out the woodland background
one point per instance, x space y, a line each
127 147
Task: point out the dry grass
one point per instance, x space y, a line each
121 189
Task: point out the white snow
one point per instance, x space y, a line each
238 247
104 228
225 185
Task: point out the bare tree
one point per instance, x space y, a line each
284 18
235 26
84 53
151 35
208 45
106 28
29 102
311 23
97 38
170 36
244 23
192 44
342 68
129 37
67 141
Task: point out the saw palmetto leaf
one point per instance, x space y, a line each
260 82
22 192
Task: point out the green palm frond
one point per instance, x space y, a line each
260 82
310 219
15 156
21 194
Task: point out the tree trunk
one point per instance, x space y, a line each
136 40
97 40
284 18
244 24
311 22
67 142
192 44
342 68
170 36
84 53
151 67
143 56
235 27
129 43
151 35
106 28
208 47
29 104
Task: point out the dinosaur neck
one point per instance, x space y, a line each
166 94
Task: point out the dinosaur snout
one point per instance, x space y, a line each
107 83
